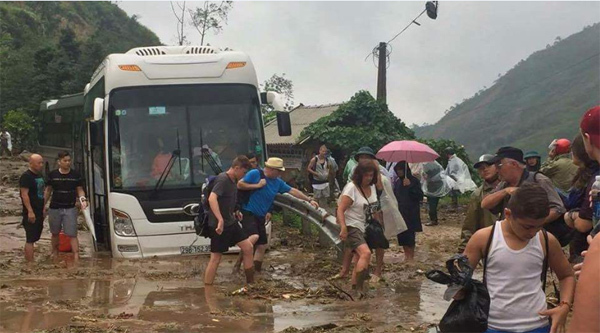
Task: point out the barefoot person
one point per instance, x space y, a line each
225 230
357 204
516 250
65 186
31 185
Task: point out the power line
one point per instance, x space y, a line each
411 22
414 21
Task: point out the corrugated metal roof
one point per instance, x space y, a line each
300 117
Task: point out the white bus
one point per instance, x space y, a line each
159 121
61 129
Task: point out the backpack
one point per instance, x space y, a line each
243 197
559 228
201 220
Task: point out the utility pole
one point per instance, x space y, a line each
381 74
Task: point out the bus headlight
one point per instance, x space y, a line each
123 224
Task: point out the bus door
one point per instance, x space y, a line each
97 185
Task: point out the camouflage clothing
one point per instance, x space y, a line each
561 171
477 217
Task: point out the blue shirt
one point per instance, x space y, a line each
261 200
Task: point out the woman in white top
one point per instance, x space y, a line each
357 204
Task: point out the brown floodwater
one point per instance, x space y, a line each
186 305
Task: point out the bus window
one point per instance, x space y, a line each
57 128
208 125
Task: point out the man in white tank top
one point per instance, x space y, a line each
515 264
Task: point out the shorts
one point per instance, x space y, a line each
355 238
407 238
255 225
231 235
64 219
33 231
323 193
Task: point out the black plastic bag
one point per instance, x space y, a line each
469 314
375 237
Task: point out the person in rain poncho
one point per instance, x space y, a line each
5 143
459 172
416 168
435 185
409 194
367 152
350 165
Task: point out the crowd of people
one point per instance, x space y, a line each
520 218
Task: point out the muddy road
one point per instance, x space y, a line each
292 294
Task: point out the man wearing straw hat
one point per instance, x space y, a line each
257 210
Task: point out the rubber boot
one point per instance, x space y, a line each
249 275
257 266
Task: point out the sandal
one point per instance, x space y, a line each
336 277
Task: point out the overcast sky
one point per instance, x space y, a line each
321 46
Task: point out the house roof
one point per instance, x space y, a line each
300 117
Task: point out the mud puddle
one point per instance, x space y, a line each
142 304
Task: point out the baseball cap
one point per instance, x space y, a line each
485 158
509 152
590 125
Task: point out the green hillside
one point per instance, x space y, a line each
541 98
49 49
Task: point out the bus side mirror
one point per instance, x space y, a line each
284 124
274 99
98 109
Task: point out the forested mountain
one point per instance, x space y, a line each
49 49
541 98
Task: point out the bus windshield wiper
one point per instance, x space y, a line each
169 166
167 170
205 154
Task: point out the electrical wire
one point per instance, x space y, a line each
398 34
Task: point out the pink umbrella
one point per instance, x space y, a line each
407 150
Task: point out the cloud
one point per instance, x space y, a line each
321 46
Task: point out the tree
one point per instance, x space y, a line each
181 37
362 121
281 85
21 127
210 17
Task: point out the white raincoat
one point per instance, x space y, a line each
434 182
392 219
459 171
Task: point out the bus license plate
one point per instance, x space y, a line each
194 249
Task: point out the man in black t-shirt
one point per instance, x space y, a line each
31 185
223 221
65 185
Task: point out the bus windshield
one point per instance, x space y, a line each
199 129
